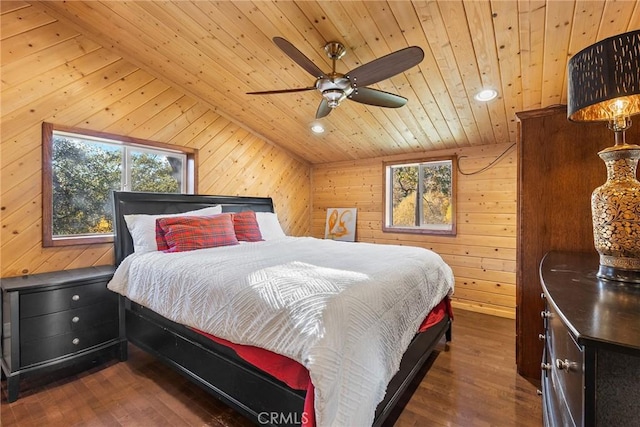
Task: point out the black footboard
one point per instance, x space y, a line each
214 367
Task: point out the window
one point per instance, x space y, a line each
420 197
81 168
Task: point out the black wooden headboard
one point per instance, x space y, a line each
128 202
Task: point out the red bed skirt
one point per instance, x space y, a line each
293 373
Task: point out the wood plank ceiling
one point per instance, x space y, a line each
218 51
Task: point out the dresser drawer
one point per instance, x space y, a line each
63 322
552 414
554 406
67 344
52 301
567 368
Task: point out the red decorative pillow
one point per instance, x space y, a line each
187 233
246 226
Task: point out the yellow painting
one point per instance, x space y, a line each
341 224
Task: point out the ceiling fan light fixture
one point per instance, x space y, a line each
334 97
485 95
317 128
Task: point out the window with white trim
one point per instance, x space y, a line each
81 168
420 196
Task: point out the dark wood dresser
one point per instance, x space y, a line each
53 320
591 361
558 169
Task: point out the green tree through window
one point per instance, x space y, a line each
419 197
84 169
155 173
83 177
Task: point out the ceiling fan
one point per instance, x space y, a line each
336 87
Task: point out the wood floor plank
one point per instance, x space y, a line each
472 381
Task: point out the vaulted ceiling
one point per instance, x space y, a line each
218 51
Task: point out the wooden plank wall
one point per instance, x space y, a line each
482 255
50 73
54 74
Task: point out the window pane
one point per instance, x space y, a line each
84 173
436 195
155 172
405 188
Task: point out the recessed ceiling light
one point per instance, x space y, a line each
485 95
317 128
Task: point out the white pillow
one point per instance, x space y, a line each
269 225
143 227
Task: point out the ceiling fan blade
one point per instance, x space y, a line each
379 98
271 92
385 67
298 57
323 109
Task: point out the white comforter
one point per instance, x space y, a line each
346 311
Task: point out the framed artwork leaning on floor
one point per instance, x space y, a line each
341 224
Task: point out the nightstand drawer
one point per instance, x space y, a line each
52 301
63 345
63 322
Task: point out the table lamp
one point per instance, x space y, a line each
604 85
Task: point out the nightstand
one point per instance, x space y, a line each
54 320
591 361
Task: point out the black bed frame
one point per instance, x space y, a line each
215 367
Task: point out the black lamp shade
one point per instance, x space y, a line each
602 72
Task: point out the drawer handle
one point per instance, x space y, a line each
541 337
545 366
545 314
75 297
539 392
564 365
76 341
75 319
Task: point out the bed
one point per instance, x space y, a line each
217 367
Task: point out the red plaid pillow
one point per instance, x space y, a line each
161 241
246 226
187 233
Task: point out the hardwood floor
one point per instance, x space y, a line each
472 382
